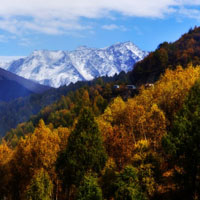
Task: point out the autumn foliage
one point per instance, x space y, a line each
68 146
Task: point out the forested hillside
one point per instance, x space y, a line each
131 149
21 109
100 142
168 55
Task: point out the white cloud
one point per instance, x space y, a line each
48 26
190 13
24 42
111 27
3 38
67 9
61 16
6 38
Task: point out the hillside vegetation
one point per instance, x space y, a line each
139 157
167 56
103 143
21 109
182 52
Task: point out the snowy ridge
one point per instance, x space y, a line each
6 60
56 68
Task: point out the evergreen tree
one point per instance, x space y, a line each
89 189
40 187
183 144
127 185
85 151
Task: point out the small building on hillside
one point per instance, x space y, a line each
149 85
116 86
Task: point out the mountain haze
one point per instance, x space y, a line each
13 86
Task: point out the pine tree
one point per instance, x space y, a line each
40 187
127 185
85 151
183 144
89 189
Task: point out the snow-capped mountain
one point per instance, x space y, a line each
56 68
6 60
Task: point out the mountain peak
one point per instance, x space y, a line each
56 68
83 47
126 43
35 52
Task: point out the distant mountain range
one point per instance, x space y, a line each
57 68
13 86
167 55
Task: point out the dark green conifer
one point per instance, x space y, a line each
41 187
183 144
89 189
85 151
127 186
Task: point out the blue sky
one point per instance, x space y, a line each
27 25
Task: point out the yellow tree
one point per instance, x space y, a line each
113 112
155 126
144 166
5 156
36 151
63 134
119 145
134 116
169 92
